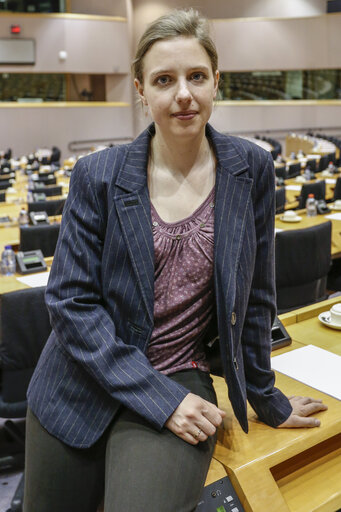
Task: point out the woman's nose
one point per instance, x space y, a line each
183 94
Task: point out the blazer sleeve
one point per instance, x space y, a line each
270 404
83 326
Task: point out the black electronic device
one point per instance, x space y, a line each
219 497
39 218
279 335
30 261
321 207
39 196
5 219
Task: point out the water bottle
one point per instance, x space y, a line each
311 206
331 168
8 261
23 217
307 173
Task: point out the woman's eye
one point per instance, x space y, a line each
197 77
163 80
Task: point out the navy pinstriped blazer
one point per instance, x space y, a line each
100 294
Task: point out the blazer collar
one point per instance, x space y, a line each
133 173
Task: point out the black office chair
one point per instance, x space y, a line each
51 207
280 200
318 189
2 197
294 170
303 258
311 164
43 237
281 172
46 180
323 163
49 191
4 184
337 190
24 329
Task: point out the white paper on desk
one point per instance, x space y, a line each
313 366
34 280
330 181
334 216
278 230
293 187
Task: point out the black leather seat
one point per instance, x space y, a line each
43 237
337 190
2 197
311 164
281 172
24 329
294 170
303 259
280 200
51 207
4 184
323 163
318 189
50 191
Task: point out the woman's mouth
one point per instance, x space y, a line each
185 116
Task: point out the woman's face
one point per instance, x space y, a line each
178 86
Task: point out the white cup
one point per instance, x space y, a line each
337 204
335 314
289 215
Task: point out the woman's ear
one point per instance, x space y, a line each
140 91
216 83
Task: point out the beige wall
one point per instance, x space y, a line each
23 129
104 7
92 46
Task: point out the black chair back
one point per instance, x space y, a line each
281 172
24 329
311 164
294 170
43 237
2 197
4 184
280 200
323 163
303 259
318 189
51 207
50 191
337 190
47 181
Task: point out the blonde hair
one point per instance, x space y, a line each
179 22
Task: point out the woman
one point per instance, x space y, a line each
166 243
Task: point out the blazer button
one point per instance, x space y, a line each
233 318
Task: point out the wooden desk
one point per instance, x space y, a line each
286 470
308 222
292 195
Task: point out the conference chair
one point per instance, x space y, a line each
4 184
311 164
24 329
323 163
281 172
280 200
47 181
43 237
51 207
294 170
2 197
303 259
318 189
337 190
49 191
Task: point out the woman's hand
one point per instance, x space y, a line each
195 419
301 408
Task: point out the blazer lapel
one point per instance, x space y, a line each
133 208
232 197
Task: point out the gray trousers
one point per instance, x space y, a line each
133 466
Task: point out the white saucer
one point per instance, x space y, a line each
294 219
325 319
333 207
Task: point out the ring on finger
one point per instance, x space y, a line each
196 436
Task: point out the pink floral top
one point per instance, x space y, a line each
183 289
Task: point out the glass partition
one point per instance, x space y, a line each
33 5
32 87
314 84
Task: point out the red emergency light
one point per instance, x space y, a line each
15 29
